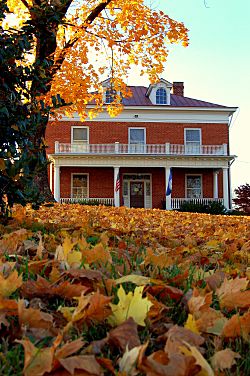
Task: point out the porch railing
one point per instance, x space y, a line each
86 201
153 149
176 202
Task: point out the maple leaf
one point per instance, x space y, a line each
134 278
237 326
159 363
127 364
36 361
85 363
33 317
198 302
191 324
10 284
125 335
43 288
199 359
224 359
230 293
130 305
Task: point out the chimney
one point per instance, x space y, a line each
178 88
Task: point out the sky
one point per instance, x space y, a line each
215 67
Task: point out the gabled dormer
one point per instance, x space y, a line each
109 93
159 93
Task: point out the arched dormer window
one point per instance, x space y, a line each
161 96
110 96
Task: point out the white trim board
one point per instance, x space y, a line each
163 115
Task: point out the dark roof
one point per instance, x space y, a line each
139 99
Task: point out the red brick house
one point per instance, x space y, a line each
160 133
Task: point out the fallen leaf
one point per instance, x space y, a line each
36 361
125 335
134 278
86 363
238 326
224 359
33 317
130 305
191 324
200 360
231 293
199 302
10 284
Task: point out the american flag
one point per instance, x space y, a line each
118 183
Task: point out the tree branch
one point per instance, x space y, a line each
91 17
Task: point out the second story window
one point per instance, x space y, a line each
193 141
80 135
137 140
110 96
161 96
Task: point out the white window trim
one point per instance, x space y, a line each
80 173
192 129
145 134
117 93
161 87
189 174
77 127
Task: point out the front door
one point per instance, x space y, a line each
137 194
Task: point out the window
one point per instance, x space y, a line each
110 96
193 186
80 135
79 185
192 141
137 140
161 96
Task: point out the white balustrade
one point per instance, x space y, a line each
75 200
177 202
149 149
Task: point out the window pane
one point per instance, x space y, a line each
80 134
137 136
110 96
80 186
194 186
192 135
161 96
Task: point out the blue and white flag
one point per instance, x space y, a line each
169 187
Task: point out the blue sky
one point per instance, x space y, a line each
216 65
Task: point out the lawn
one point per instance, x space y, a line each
94 290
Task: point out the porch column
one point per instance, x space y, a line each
216 195
225 188
117 186
50 175
168 187
57 183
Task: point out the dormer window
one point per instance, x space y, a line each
159 93
110 96
161 96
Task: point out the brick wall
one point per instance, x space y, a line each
156 133
101 182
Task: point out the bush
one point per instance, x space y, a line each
214 207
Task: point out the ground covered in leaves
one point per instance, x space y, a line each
114 291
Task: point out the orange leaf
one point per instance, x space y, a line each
238 326
10 284
231 296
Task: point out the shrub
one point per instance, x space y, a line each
213 207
